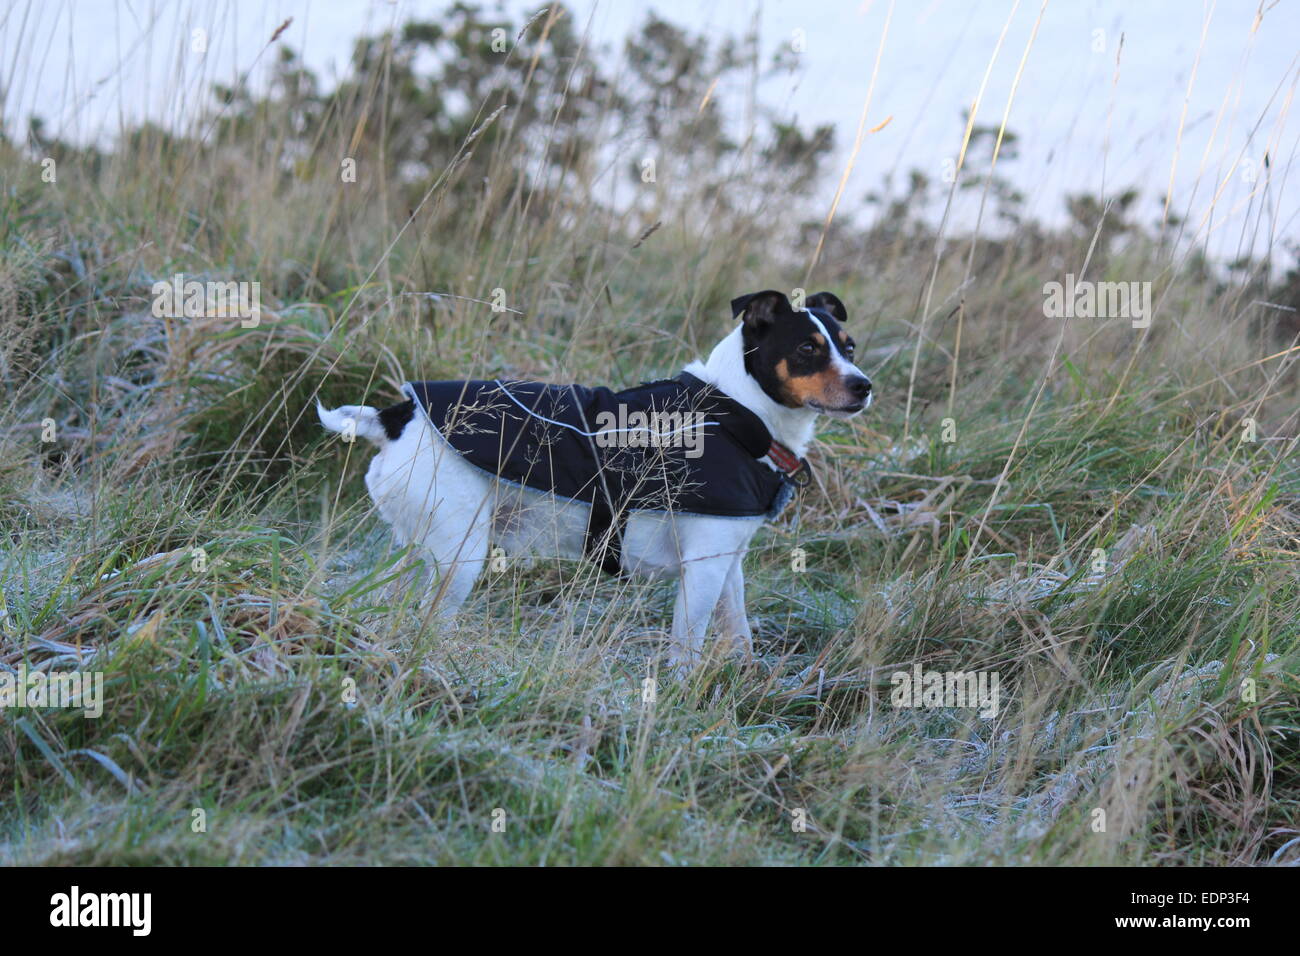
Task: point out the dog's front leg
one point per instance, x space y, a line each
702 581
730 620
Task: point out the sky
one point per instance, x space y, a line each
1197 95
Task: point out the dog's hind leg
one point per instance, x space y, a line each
452 529
438 503
459 554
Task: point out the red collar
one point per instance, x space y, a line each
784 459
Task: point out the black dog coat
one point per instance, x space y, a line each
676 445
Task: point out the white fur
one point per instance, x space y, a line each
725 369
435 499
451 510
360 421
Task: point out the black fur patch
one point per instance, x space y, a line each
395 417
776 333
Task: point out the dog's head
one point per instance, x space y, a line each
802 358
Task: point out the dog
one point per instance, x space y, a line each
468 466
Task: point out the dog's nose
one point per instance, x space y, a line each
860 388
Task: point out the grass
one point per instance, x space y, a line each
1096 532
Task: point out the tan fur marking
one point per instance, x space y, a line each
817 386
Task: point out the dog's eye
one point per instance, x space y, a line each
808 348
848 350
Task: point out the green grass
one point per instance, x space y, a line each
314 713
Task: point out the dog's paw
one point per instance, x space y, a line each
682 661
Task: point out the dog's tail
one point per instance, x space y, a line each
353 421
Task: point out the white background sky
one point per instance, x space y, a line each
86 65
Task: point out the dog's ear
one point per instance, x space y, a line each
828 302
760 309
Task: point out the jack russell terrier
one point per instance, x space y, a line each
668 480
